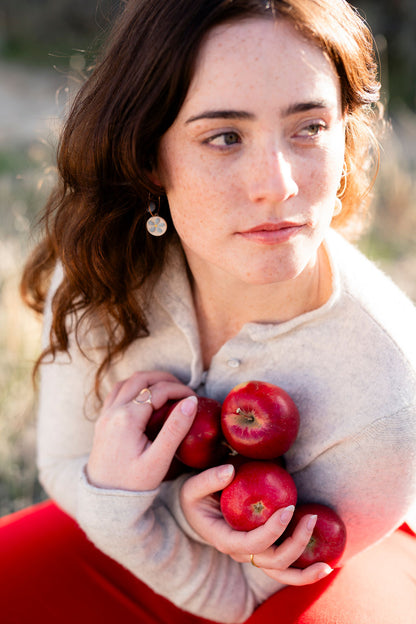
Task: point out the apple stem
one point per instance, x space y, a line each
232 451
248 416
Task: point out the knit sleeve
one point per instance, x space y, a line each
138 530
368 478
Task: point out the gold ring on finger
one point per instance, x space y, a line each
253 562
144 396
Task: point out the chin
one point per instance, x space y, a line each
268 275
253 280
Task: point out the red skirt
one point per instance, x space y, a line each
50 572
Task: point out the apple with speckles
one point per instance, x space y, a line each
258 489
259 420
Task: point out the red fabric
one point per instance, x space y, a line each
50 573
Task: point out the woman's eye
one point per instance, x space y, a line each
311 130
224 139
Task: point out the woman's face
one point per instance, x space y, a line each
253 161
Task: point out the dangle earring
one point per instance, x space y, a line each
338 207
155 225
340 192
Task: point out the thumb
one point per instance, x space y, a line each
208 482
161 452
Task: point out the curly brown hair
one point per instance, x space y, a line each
94 220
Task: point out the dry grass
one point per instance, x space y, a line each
19 342
19 339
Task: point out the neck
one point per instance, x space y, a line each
223 306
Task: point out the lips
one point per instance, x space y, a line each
271 227
272 233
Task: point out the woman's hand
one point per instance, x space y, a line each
202 511
122 457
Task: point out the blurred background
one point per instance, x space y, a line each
46 48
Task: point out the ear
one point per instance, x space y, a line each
155 174
154 177
154 180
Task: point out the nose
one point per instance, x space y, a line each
271 178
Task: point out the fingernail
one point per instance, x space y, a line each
324 572
311 522
225 472
286 514
188 405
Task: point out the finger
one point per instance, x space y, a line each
263 537
207 482
259 539
163 391
294 576
160 453
160 393
238 544
111 396
130 388
223 537
282 556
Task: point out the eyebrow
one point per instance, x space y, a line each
301 107
292 109
221 114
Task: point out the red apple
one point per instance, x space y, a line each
258 489
237 460
203 445
259 420
328 538
158 418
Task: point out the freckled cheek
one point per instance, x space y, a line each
193 210
320 181
198 201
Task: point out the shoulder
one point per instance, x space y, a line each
373 297
362 277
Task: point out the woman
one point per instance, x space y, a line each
208 168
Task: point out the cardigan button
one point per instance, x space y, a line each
233 363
